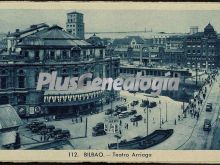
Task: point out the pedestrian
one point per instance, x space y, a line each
178 117
144 120
120 132
72 121
127 125
81 119
133 123
76 120
120 122
175 122
41 138
136 123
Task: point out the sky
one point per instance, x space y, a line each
113 20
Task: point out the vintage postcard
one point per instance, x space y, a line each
109 82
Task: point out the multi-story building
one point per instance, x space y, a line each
201 49
75 24
174 51
46 50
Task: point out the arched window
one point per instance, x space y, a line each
4 100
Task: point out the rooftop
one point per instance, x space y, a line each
8 117
53 36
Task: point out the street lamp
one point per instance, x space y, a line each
160 112
166 111
117 137
147 120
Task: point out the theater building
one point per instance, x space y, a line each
52 49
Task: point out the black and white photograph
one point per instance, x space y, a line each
109 79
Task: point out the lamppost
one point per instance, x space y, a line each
147 120
160 112
117 137
166 111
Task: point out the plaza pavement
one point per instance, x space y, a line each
184 129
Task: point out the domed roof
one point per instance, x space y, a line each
209 27
209 30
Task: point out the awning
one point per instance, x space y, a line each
70 95
67 92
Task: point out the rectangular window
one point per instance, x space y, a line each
64 55
37 55
21 81
26 53
3 83
84 54
52 55
21 99
101 53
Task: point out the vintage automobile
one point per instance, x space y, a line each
38 128
134 103
34 124
123 114
64 134
132 112
207 125
98 133
98 130
209 107
152 104
99 126
136 118
121 108
144 103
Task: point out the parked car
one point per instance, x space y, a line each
207 125
136 118
38 127
121 108
109 111
98 133
152 104
99 126
50 128
132 112
209 107
116 113
34 124
144 103
65 134
124 114
98 130
55 132
133 103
